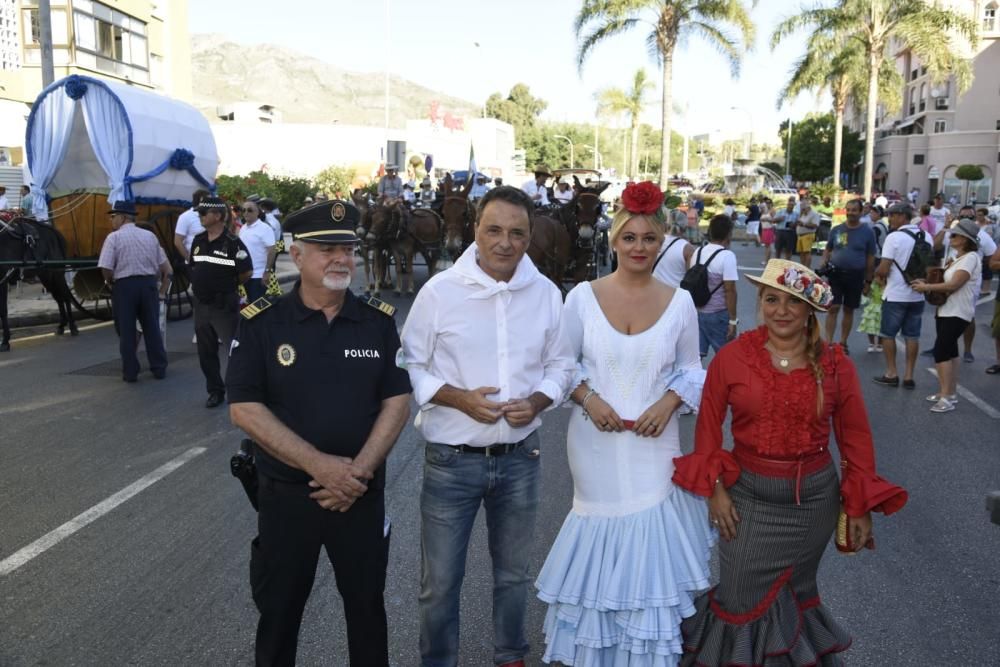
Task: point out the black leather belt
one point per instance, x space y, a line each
492 450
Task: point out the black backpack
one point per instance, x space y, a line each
921 258
696 279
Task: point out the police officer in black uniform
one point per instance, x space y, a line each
313 379
219 264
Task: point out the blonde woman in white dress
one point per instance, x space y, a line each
633 552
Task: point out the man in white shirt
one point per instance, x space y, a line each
902 307
270 209
3 199
717 319
479 188
408 196
486 353
535 188
188 226
258 237
939 211
390 186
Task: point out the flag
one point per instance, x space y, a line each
472 163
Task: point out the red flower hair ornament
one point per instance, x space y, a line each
643 199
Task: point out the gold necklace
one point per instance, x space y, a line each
784 362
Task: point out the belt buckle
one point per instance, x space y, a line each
487 451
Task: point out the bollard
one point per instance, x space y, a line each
993 506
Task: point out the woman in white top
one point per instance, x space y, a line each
633 552
961 284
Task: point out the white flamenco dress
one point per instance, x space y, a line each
633 552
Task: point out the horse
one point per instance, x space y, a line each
424 227
31 242
367 239
550 247
580 217
459 219
387 238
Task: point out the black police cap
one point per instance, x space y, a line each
331 221
211 203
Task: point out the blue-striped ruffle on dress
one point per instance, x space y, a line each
618 586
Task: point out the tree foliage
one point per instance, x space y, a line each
938 37
334 180
969 172
673 22
630 103
288 192
813 147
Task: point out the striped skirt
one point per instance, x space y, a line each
766 609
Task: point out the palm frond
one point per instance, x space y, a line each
612 27
720 40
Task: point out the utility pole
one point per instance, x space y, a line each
45 42
597 136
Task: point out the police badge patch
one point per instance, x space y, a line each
337 212
286 354
241 254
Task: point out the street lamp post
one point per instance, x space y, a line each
570 142
750 136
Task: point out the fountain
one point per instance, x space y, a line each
750 176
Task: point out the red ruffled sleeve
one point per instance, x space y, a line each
861 489
698 471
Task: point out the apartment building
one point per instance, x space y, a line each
937 130
144 43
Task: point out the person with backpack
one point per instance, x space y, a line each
711 280
906 255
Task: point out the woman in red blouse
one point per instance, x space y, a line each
775 498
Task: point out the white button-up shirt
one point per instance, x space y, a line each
469 331
532 188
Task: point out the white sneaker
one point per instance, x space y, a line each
878 348
934 398
943 405
871 348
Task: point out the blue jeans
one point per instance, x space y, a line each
904 317
712 330
455 484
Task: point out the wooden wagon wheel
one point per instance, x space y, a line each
89 293
179 303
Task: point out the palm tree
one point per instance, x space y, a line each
929 32
629 102
670 21
835 64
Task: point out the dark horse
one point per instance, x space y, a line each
31 242
459 219
580 217
550 247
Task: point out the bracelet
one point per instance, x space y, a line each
583 403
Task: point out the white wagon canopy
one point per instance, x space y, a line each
85 134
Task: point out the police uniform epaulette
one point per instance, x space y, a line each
380 305
254 309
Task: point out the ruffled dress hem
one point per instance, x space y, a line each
618 587
787 631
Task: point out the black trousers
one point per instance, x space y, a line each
135 298
292 529
215 324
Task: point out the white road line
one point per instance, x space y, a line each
755 269
15 341
972 398
983 299
53 538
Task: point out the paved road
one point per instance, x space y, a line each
161 579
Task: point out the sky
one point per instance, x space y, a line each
472 48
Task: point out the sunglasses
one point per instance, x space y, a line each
248 210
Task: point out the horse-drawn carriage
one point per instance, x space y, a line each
90 143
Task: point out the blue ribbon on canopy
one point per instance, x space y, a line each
181 159
75 87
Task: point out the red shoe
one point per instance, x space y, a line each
516 663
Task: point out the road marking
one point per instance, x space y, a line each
751 268
15 341
983 299
43 403
53 538
972 398
15 362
